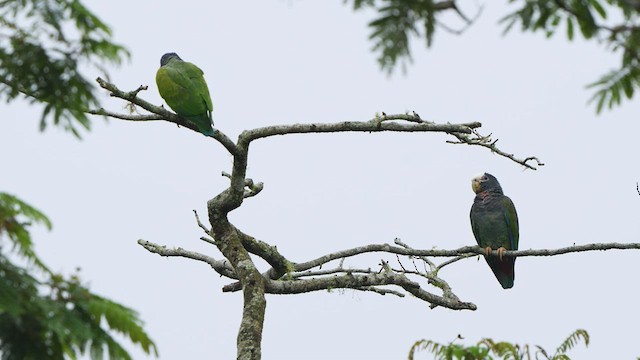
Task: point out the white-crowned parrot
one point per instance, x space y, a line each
494 222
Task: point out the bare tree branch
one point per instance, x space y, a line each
379 123
301 270
338 270
129 117
252 189
463 251
485 141
294 278
374 125
200 224
357 281
160 113
381 291
455 259
222 267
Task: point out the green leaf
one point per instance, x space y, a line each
599 9
572 340
569 29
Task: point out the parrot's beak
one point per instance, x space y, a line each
475 184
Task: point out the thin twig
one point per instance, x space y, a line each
381 291
455 259
200 224
485 141
222 267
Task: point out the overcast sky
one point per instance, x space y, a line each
277 62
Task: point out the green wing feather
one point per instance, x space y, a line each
511 218
181 84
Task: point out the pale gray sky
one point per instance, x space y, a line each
275 62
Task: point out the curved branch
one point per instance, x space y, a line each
568 249
279 264
463 251
369 280
458 254
338 270
485 141
128 117
357 281
252 188
374 125
381 291
160 113
379 123
222 267
384 123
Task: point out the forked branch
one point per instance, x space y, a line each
408 122
284 276
295 278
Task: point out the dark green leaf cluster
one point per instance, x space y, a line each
15 217
589 17
43 44
399 20
50 316
548 15
451 351
487 349
625 80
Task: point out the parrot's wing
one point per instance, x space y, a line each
474 227
180 92
198 84
169 82
511 218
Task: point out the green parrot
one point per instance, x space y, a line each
181 84
494 222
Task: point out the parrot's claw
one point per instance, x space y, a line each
487 251
501 250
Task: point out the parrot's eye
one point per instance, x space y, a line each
484 178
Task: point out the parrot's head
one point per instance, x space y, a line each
484 182
164 60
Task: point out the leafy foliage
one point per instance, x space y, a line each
42 46
451 351
625 80
399 20
590 17
45 315
50 316
485 348
15 216
548 15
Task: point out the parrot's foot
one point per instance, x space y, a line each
487 251
501 250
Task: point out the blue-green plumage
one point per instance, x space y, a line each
181 84
494 222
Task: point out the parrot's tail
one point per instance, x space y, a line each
203 123
504 270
